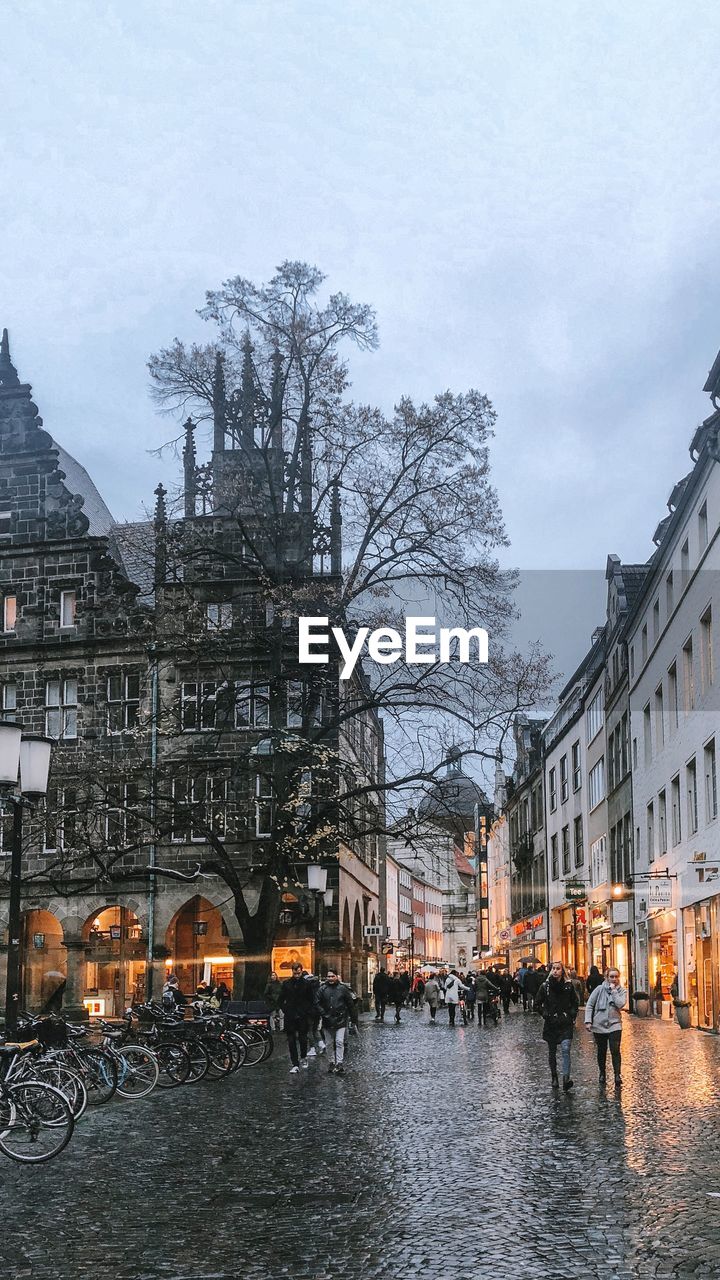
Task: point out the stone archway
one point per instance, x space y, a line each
197 940
43 972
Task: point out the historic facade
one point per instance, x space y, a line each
196 770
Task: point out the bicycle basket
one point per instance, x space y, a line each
51 1033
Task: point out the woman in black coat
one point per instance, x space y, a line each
594 979
557 1001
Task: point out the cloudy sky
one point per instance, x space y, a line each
527 193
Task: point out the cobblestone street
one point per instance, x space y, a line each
441 1154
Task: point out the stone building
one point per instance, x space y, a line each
526 846
161 657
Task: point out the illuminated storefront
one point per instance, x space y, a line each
115 961
662 960
197 941
529 940
701 925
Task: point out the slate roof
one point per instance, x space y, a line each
77 480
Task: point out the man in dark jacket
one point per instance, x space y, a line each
380 992
337 1006
396 993
296 1002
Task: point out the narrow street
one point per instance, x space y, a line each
441 1154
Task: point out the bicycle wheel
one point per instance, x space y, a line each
174 1065
220 1055
100 1074
67 1080
199 1060
238 1048
36 1122
255 1051
138 1071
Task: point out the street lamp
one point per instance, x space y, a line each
317 878
29 757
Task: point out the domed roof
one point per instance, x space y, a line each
454 796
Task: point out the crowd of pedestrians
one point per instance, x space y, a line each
317 1016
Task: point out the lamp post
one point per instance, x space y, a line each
317 884
29 757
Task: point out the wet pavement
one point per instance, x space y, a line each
441 1154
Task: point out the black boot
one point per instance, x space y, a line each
567 1084
555 1083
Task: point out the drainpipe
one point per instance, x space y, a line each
153 809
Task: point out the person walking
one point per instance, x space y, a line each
272 993
520 978
381 984
432 995
453 994
337 1006
296 1002
604 1019
557 1000
594 979
314 1033
578 984
506 990
484 992
470 998
396 993
418 991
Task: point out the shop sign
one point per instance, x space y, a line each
38 941
621 912
387 948
575 892
598 918
504 935
115 932
659 895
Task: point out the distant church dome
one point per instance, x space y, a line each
451 800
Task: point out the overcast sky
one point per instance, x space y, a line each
527 193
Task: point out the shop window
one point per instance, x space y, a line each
9 613
68 605
711 800
252 705
123 697
61 709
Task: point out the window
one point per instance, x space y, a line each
669 593
197 704
632 661
208 806
554 857
707 673
121 818
61 821
68 601
644 644
689 675
662 823
647 734
180 810
598 860
692 800
703 526
252 705
219 616
61 709
263 806
596 783
9 700
675 806
576 767
5 521
673 695
594 716
659 719
563 779
123 696
566 850
684 564
656 622
624 745
650 831
9 613
552 787
634 753
578 840
711 805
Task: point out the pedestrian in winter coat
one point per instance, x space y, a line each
594 978
453 994
296 1002
273 991
557 1000
432 996
418 991
485 989
506 984
534 979
578 984
397 993
337 1006
604 1020
381 986
470 998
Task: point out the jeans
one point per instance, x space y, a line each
433 1011
451 1011
611 1041
552 1056
296 1035
335 1041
